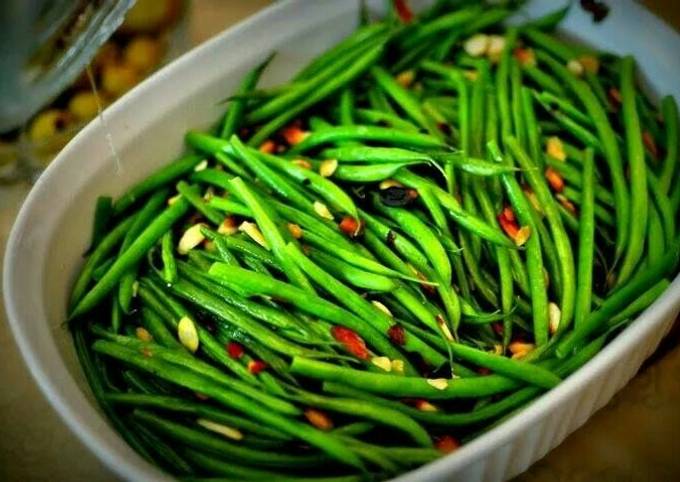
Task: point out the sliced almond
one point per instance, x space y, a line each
554 315
322 210
229 432
254 233
143 334
187 334
438 383
477 45
201 166
555 149
191 238
328 167
382 307
382 362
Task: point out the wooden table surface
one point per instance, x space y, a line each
634 438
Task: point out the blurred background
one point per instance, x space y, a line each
634 438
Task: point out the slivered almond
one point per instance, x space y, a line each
191 238
295 230
228 226
229 432
382 308
590 63
555 179
254 233
444 326
477 45
388 183
555 149
268 147
496 47
398 366
382 362
201 166
302 163
406 78
520 349
575 67
554 315
187 334
322 210
328 167
143 334
319 419
438 383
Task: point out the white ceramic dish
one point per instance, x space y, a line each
147 125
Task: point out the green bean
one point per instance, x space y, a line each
543 80
548 99
403 386
271 234
445 23
154 323
370 173
361 409
169 263
539 298
473 165
231 207
180 405
337 82
518 114
472 223
586 243
548 21
559 235
421 234
377 117
532 130
326 189
191 194
609 147
248 407
638 173
234 116
366 133
130 257
98 255
162 177
655 236
94 379
314 305
236 317
358 305
201 439
670 117
368 154
354 276
637 285
103 211
405 99
638 305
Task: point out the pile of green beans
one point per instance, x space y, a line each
433 223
